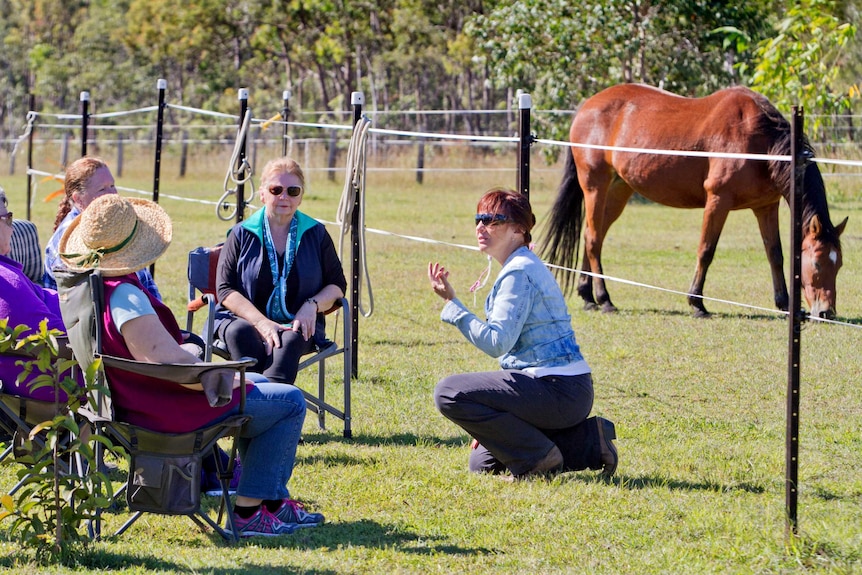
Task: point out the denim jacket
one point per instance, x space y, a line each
528 324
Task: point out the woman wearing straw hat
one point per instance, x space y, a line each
277 273
120 236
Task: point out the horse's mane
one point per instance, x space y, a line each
777 128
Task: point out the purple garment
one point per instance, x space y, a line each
23 302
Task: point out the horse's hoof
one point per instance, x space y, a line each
591 306
702 314
609 308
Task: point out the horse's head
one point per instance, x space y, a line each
821 260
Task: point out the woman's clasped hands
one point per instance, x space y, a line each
304 323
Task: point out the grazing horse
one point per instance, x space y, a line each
597 184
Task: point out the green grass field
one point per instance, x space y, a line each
699 405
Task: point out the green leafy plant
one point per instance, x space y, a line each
62 487
805 62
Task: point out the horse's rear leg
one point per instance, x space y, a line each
767 219
714 218
609 211
585 286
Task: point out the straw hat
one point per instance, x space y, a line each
116 235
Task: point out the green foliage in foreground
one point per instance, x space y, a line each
47 514
699 408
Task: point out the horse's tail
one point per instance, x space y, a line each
562 235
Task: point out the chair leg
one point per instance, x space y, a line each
348 367
321 390
225 475
128 523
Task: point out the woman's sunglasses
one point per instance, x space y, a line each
7 217
292 191
488 220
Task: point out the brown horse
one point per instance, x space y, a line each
597 184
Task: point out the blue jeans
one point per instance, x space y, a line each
267 443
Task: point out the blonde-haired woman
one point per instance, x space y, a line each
277 273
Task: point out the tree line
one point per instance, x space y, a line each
419 54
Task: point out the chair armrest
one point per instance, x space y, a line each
338 304
182 373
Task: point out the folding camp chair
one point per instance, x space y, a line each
26 250
202 265
165 468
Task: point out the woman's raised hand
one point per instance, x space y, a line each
439 277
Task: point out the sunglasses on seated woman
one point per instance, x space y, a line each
292 191
488 220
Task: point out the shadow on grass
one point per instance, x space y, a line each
775 316
396 439
712 315
655 481
358 534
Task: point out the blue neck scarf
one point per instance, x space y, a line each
276 307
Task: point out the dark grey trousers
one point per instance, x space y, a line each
281 365
512 413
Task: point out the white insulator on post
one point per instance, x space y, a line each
357 99
525 102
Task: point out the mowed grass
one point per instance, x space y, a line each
699 405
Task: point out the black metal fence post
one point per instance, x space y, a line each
85 117
161 86
798 165
525 102
240 186
357 99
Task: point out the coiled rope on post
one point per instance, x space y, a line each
238 171
354 182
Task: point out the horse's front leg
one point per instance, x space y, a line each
767 220
714 218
